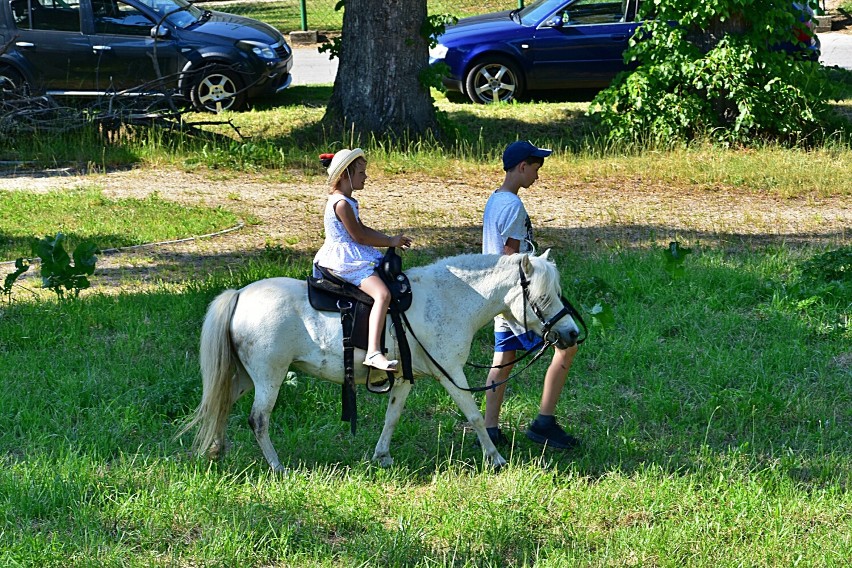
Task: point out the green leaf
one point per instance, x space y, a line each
57 272
52 253
84 257
21 265
602 316
712 61
674 257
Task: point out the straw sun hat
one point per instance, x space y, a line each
341 161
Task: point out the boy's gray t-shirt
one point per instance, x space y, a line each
505 218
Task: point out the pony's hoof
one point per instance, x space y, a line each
498 463
384 461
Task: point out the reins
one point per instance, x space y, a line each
547 335
544 346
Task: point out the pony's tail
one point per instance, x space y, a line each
217 372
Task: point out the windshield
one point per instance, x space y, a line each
182 14
534 13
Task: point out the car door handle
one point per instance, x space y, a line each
24 44
101 48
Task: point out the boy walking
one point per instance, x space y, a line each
506 229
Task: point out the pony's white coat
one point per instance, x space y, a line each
252 336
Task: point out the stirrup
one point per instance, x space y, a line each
371 362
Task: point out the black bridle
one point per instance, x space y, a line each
548 334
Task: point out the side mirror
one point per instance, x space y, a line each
557 21
160 32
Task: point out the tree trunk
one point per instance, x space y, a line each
707 39
377 89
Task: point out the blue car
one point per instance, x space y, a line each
550 44
554 44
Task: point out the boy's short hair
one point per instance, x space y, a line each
533 160
523 151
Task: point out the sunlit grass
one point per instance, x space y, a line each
483 131
88 214
283 136
321 15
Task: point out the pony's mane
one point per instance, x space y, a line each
472 261
543 281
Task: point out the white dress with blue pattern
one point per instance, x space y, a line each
339 253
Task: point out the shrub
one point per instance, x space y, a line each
718 71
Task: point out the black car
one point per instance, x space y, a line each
140 47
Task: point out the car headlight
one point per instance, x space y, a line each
264 52
438 52
261 50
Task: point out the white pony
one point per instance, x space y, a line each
252 336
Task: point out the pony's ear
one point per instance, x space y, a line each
545 254
526 263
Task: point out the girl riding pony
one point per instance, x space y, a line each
349 249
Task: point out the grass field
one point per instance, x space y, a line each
283 135
87 214
715 418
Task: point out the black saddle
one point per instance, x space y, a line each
328 293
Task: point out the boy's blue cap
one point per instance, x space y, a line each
517 152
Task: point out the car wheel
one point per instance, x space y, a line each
494 80
11 83
217 89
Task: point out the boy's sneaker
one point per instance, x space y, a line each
552 435
496 435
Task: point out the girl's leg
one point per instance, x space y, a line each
377 290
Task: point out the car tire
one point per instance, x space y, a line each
496 79
11 83
217 89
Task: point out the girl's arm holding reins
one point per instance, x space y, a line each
364 235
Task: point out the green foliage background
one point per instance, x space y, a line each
711 67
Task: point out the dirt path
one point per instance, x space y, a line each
444 215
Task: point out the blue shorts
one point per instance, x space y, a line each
508 341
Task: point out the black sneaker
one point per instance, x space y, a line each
496 435
552 435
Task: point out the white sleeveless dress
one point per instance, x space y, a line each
339 253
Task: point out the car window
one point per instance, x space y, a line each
179 13
118 18
533 14
594 12
54 15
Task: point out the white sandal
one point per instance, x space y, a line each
387 365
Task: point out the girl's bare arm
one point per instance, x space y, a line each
364 235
